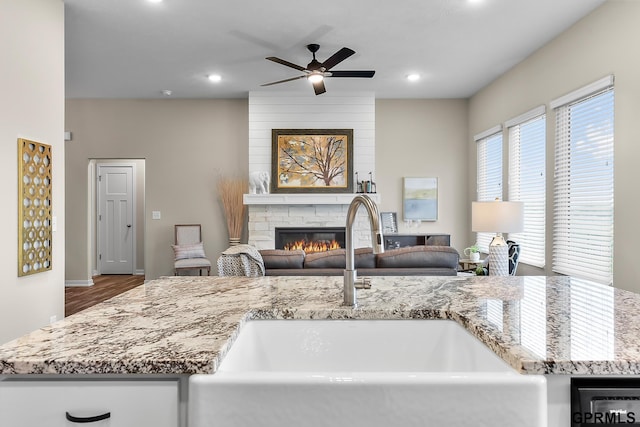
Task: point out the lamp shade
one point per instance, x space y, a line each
497 217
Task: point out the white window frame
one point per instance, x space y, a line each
583 185
527 182
486 190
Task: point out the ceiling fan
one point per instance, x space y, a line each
316 71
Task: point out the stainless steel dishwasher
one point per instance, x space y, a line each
608 401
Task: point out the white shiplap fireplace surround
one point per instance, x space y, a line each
332 110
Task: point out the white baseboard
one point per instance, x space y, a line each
139 272
78 283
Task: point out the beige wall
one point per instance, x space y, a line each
425 138
31 107
185 144
213 134
603 43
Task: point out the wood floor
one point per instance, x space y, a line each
104 287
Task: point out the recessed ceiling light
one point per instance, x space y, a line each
214 77
413 77
166 92
154 1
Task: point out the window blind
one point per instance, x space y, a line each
583 188
533 319
592 321
527 178
495 313
489 179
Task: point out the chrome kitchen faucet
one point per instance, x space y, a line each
351 281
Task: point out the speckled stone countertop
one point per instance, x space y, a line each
539 325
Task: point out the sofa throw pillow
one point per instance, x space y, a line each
419 257
194 250
282 259
337 258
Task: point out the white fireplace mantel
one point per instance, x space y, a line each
304 198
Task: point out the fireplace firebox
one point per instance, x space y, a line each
310 239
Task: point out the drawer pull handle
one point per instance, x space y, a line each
88 419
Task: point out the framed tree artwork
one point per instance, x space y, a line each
312 161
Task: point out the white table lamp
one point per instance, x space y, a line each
497 217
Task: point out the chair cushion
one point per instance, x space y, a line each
192 263
280 258
195 250
337 258
419 257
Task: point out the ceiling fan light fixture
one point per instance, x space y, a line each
315 77
316 71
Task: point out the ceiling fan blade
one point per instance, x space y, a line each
337 58
367 74
286 63
319 87
283 81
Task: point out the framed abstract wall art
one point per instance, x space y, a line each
312 161
420 199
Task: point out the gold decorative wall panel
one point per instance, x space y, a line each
34 207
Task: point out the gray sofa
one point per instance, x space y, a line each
408 261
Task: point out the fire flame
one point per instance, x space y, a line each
313 246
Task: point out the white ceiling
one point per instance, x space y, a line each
136 49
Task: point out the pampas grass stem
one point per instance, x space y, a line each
230 191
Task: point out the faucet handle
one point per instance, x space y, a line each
363 283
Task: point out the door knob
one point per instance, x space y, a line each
128 225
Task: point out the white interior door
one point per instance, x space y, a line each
115 219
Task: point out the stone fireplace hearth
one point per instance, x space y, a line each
270 211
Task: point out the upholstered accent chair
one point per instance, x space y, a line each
189 250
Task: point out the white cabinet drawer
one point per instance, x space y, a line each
29 403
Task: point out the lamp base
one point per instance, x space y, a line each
498 257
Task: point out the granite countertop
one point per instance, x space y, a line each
539 325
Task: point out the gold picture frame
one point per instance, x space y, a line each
34 207
312 161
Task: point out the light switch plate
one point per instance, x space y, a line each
155 215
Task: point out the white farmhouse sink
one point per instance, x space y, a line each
359 346
363 373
